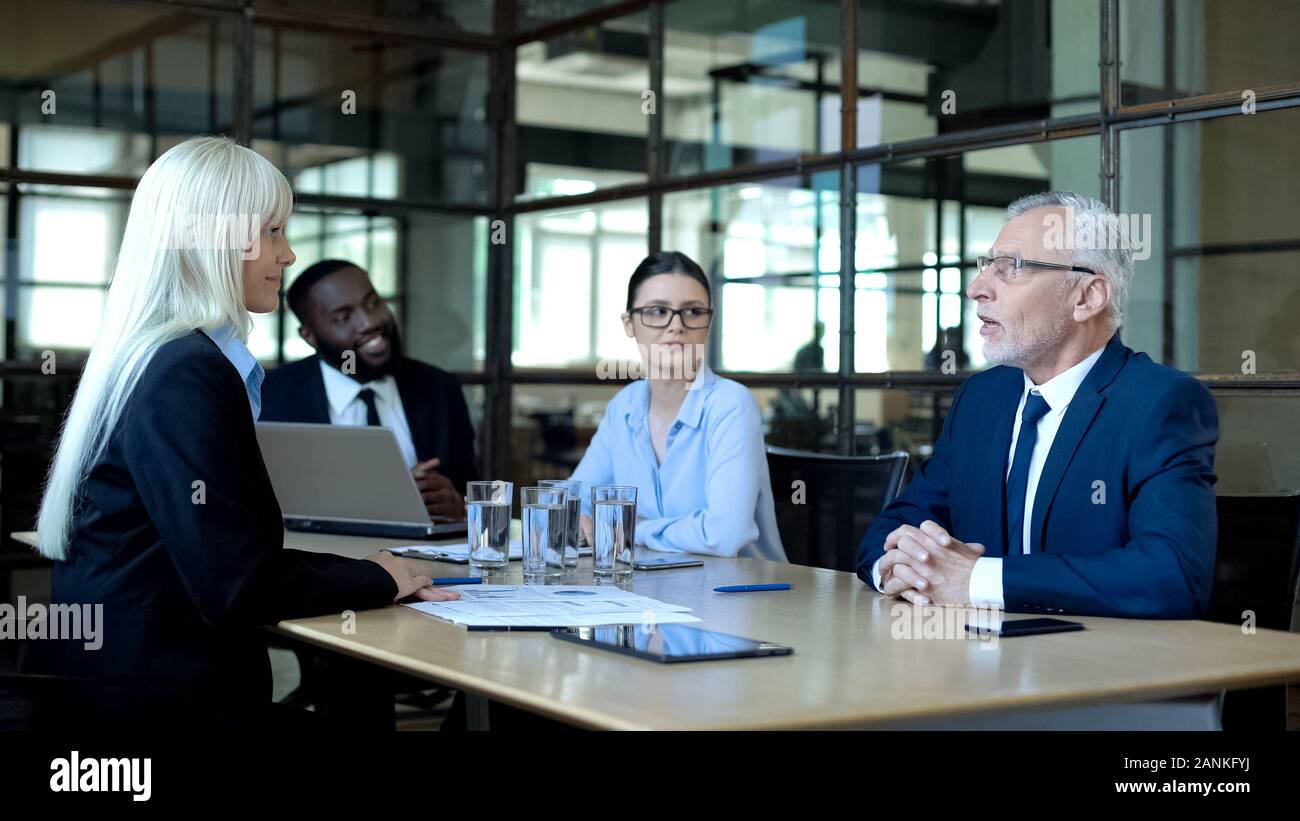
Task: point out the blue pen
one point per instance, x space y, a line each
458 580
751 588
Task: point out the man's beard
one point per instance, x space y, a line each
364 371
1028 347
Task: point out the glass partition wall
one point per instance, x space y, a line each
835 166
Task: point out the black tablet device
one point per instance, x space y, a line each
670 643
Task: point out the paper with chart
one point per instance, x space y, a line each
559 605
451 552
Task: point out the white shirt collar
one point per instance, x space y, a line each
341 390
1060 389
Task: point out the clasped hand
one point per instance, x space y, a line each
926 565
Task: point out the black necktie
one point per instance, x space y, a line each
372 413
1018 480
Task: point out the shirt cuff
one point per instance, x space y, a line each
875 575
986 583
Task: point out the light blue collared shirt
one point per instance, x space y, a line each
712 494
227 339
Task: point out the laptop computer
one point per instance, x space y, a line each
346 480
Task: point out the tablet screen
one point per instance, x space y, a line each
670 642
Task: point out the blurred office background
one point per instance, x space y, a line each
838 204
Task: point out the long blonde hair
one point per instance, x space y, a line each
177 270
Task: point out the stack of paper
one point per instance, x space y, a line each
451 552
560 605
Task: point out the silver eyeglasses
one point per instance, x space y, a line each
1010 268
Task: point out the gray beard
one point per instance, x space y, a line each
1028 348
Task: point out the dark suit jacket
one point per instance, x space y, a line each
1139 433
432 398
184 586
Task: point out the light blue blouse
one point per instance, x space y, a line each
250 370
712 494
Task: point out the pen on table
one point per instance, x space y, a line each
475 628
751 588
457 580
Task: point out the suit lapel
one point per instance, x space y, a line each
993 471
419 414
316 404
1083 409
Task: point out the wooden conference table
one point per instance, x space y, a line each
848 670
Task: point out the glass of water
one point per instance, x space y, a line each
574 487
614 513
487 512
546 514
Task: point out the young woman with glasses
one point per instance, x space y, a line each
690 441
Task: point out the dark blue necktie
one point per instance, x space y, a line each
1018 480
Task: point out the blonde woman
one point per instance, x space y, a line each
158 506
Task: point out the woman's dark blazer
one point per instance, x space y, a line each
177 533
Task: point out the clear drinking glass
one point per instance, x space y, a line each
545 515
487 513
574 487
614 518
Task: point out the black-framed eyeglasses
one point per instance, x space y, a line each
1012 267
661 316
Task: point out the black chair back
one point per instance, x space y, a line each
825 503
1258 560
1256 571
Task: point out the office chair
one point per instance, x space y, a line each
1256 570
823 520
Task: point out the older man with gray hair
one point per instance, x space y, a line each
1077 476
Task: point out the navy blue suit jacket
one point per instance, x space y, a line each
185 580
1137 435
432 398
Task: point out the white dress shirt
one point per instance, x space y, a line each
986 576
346 408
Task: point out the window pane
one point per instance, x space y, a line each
579 109
1171 50
890 420
68 238
1221 239
571 273
368 116
1255 453
263 338
551 427
56 318
445 279
799 418
771 251
933 68
742 78
317 234
132 80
